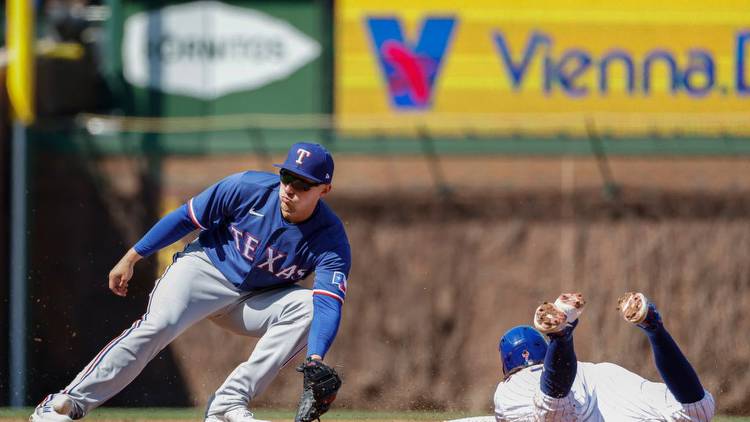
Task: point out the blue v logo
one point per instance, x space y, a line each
410 69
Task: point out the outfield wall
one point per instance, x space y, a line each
438 273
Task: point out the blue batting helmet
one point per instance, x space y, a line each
520 347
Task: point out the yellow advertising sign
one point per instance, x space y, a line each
544 66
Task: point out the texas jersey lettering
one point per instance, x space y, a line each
247 239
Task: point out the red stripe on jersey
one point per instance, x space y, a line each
192 215
327 293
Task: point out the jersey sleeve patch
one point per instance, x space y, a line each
338 287
339 279
193 218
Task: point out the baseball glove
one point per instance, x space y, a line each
320 383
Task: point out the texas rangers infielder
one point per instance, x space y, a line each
261 233
544 381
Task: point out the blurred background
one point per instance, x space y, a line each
489 155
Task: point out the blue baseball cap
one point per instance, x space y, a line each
311 161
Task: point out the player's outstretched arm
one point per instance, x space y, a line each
166 231
122 272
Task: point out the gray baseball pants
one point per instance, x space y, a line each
190 290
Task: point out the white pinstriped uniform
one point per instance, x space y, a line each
600 392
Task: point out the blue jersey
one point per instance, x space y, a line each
248 240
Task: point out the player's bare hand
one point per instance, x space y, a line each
119 278
122 272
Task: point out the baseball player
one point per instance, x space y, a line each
260 234
544 381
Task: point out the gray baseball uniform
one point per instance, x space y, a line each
190 290
241 273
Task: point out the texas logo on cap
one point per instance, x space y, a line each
311 161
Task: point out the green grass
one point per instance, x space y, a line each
197 414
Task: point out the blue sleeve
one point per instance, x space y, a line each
166 231
325 324
329 292
211 206
560 364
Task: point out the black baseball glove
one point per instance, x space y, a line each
320 383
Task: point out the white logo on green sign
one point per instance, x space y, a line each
207 49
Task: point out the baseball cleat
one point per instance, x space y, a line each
57 409
240 414
572 304
633 306
554 317
636 309
64 405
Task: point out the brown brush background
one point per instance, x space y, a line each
439 273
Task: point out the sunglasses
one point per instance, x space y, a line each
289 178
